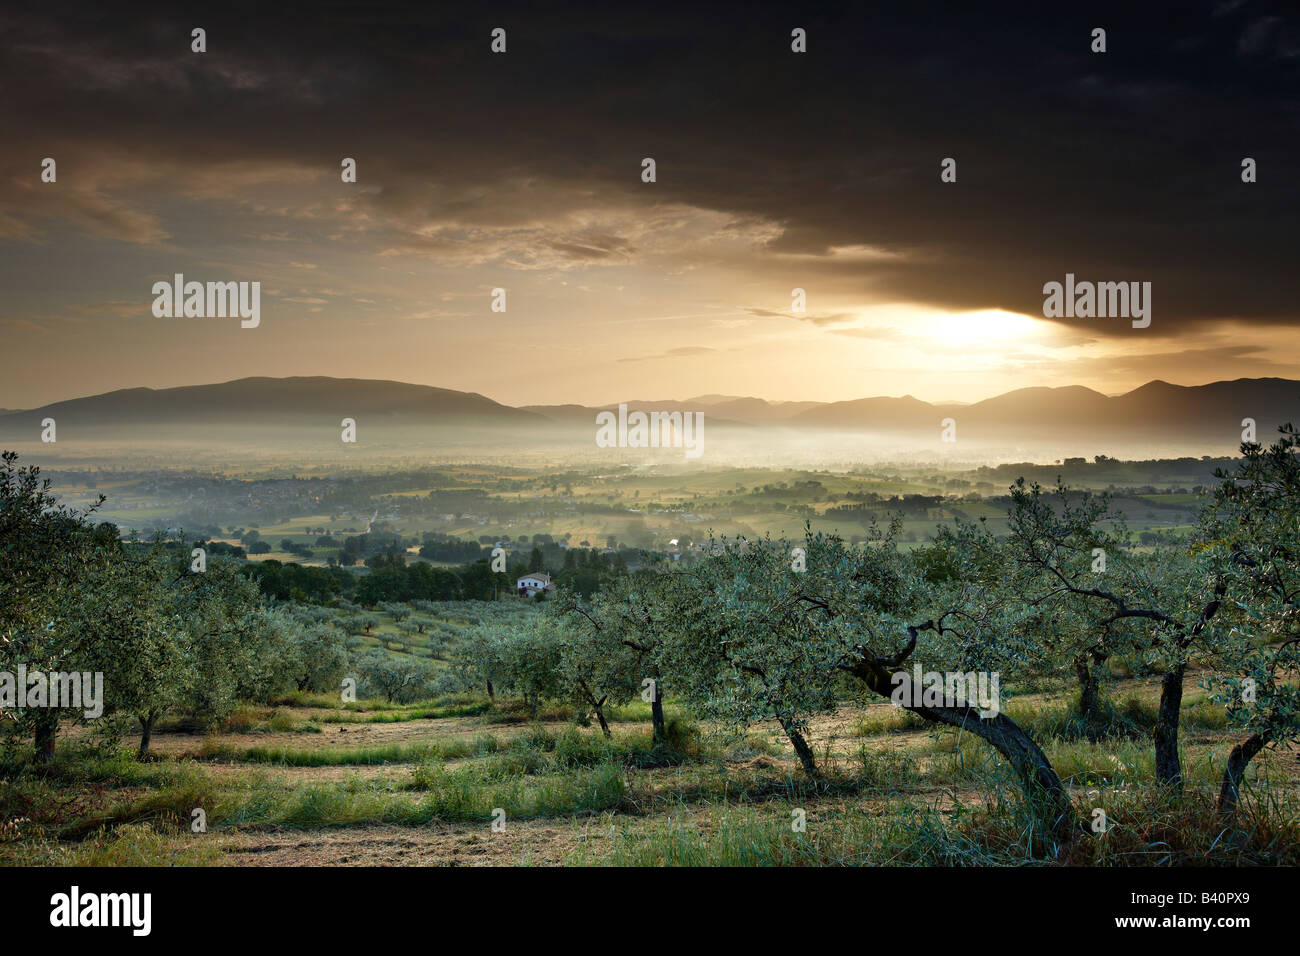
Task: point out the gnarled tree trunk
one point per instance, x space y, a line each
1168 767
800 745
657 720
46 732
1087 667
1241 756
146 734
1042 784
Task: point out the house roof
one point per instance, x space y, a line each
539 576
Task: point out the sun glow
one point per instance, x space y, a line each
987 327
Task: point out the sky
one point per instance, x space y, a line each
775 171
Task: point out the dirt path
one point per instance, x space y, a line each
538 843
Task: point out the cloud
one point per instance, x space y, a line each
25 205
879 334
775 171
1192 364
680 352
814 318
1109 169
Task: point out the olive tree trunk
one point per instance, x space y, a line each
800 745
1241 756
47 731
1168 767
1042 785
1087 667
660 735
146 734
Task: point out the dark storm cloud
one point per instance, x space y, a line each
1121 166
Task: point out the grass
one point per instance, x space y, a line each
536 746
895 720
356 756
887 795
127 845
402 716
1145 829
882 833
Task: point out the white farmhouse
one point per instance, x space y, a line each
531 584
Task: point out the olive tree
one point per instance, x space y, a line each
1161 604
398 677
181 640
765 632
396 610
315 657
635 612
744 647
49 555
596 668
1252 526
523 660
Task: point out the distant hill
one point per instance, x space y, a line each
275 400
753 411
873 414
1157 411
567 414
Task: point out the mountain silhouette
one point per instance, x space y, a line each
1158 409
270 400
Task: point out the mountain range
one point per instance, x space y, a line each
1158 408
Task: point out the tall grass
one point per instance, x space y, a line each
1146 828
355 756
129 845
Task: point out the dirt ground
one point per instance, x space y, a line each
539 843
